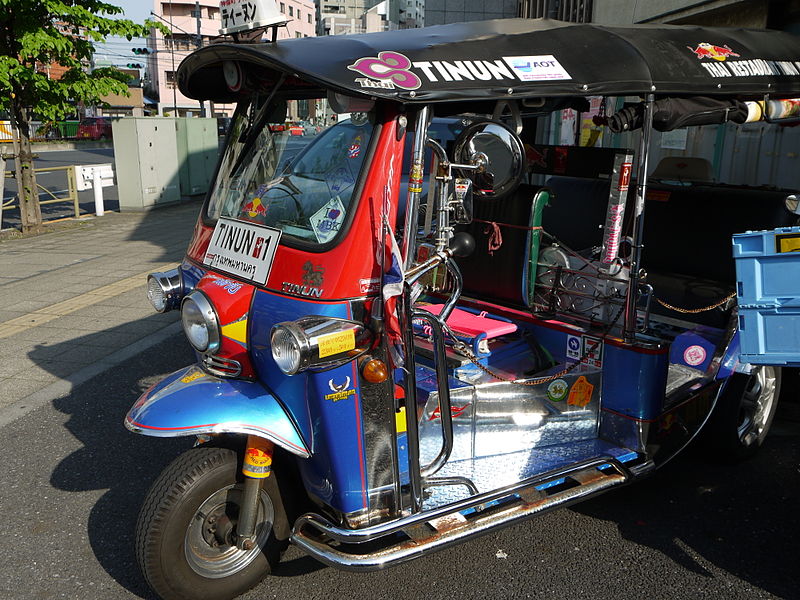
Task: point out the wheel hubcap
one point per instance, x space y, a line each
210 541
756 405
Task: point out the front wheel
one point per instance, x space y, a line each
186 533
744 412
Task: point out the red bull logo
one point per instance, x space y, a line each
706 50
254 208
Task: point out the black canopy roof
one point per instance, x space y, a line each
511 58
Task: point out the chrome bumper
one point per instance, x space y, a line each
411 537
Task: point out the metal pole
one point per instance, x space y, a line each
97 184
638 221
415 185
199 44
172 52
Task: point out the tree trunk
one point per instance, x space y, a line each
29 208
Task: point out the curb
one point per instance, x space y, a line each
29 403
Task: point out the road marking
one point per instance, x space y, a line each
60 309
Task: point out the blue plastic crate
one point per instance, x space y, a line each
770 336
768 290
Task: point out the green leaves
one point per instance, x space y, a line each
46 35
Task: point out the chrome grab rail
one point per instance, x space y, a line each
445 412
410 380
418 474
358 536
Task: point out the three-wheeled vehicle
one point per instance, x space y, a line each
433 322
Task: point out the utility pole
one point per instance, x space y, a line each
172 52
199 44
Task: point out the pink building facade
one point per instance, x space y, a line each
167 52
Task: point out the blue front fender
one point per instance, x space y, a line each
191 402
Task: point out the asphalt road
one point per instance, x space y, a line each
73 480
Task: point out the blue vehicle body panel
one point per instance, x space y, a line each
336 471
191 402
633 380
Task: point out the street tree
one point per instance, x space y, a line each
36 35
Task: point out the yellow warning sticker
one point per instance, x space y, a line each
581 392
336 343
192 377
788 243
400 422
257 463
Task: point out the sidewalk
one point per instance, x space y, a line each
73 304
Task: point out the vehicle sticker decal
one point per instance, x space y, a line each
228 285
592 351
557 390
237 330
193 376
327 221
389 69
243 249
581 392
544 67
313 274
573 347
355 148
338 180
313 280
694 355
256 207
335 343
340 391
706 50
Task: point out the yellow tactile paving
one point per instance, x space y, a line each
59 309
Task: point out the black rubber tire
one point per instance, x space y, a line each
169 508
730 434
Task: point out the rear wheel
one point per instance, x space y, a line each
744 413
186 534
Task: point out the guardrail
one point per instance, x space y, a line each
72 191
58 130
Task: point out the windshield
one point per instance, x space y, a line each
299 184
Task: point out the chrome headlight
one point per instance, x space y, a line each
165 290
317 343
200 322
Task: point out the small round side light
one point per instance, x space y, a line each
375 371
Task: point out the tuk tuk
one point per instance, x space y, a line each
432 322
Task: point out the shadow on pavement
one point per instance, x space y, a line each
742 519
112 458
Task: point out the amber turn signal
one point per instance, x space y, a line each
375 371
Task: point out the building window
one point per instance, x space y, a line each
298 34
298 14
283 8
169 78
291 11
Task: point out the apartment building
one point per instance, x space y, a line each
194 24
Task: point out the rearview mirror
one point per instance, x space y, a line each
492 156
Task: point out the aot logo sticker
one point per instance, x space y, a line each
544 67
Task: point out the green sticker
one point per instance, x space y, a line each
557 390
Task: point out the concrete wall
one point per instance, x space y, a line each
439 12
747 13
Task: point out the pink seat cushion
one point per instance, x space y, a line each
472 325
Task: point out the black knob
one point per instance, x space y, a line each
462 244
